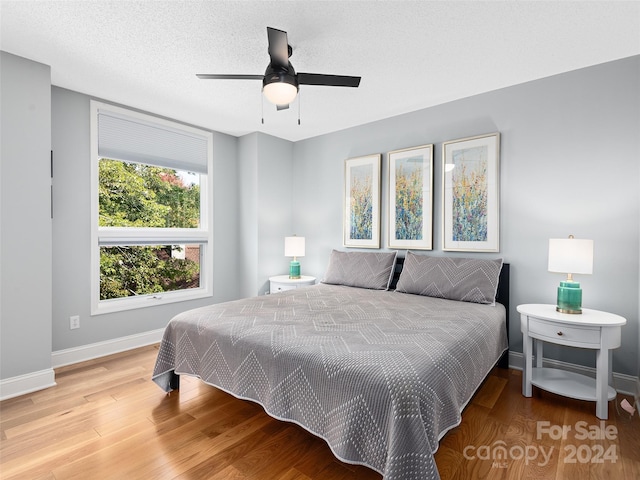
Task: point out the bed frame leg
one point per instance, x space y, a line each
174 382
504 360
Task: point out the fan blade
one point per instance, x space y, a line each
282 107
328 80
213 76
278 47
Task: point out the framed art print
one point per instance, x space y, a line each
470 194
361 223
410 205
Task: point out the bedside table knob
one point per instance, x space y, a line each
560 334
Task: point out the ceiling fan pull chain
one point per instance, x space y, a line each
262 107
299 99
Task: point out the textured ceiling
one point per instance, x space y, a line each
411 55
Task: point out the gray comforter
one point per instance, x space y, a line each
379 375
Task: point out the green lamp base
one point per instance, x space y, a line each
294 269
569 298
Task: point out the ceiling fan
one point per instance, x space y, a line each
280 82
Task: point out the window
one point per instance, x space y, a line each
151 197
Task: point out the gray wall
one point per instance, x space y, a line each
72 233
275 206
569 165
25 217
266 194
248 214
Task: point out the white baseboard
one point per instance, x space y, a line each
23 384
69 356
624 384
34 381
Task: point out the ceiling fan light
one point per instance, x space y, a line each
280 93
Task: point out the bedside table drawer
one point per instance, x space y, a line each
281 287
563 333
282 283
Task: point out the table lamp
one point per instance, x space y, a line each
294 247
570 256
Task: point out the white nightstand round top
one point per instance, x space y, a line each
594 318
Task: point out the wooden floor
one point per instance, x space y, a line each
107 420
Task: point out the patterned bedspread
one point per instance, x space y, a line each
379 375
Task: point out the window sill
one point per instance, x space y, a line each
145 301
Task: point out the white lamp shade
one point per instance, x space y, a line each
294 246
570 255
280 93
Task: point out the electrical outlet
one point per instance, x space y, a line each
74 322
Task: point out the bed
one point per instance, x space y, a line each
378 365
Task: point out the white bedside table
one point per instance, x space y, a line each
592 329
280 283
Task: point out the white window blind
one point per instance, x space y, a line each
122 137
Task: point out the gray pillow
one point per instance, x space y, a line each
372 270
465 279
